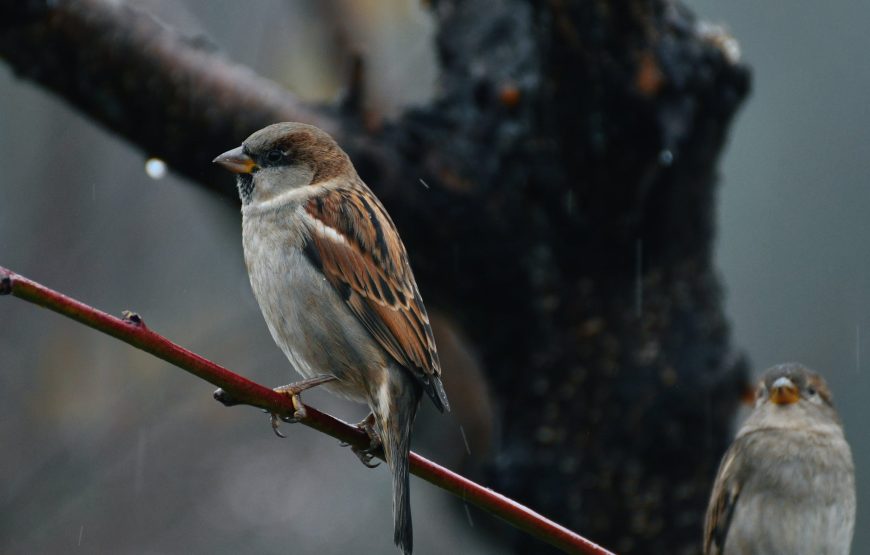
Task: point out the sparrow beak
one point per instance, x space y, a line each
236 161
784 392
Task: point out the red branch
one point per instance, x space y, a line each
132 330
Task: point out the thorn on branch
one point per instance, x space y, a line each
133 318
224 398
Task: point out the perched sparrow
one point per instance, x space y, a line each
333 281
786 486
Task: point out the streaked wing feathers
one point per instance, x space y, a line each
356 246
723 501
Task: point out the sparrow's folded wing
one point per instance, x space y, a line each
723 500
356 246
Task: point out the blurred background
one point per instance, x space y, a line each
111 450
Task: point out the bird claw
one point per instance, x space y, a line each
300 413
275 420
367 454
365 457
368 426
293 391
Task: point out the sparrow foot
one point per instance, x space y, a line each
293 391
365 458
367 454
275 422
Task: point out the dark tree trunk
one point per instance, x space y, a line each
566 222
575 148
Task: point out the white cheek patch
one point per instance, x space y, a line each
293 196
297 189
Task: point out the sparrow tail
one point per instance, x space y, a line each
396 420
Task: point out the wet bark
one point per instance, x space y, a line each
557 201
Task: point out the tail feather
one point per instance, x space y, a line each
396 421
403 530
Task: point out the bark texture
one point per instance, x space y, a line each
566 221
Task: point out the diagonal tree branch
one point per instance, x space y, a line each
145 81
133 330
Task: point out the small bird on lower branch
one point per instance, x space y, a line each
333 281
786 486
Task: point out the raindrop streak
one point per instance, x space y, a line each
468 514
424 183
569 202
857 347
94 192
638 278
82 534
155 168
465 439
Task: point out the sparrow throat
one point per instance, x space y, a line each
245 184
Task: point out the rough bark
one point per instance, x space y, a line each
566 222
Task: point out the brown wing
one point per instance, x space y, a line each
356 246
723 500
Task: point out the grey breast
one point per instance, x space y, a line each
801 503
305 315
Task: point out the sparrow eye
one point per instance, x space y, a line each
811 390
274 156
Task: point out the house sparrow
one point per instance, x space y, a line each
787 483
333 281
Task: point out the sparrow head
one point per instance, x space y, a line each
790 383
793 393
283 157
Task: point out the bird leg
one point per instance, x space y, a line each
293 391
367 454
